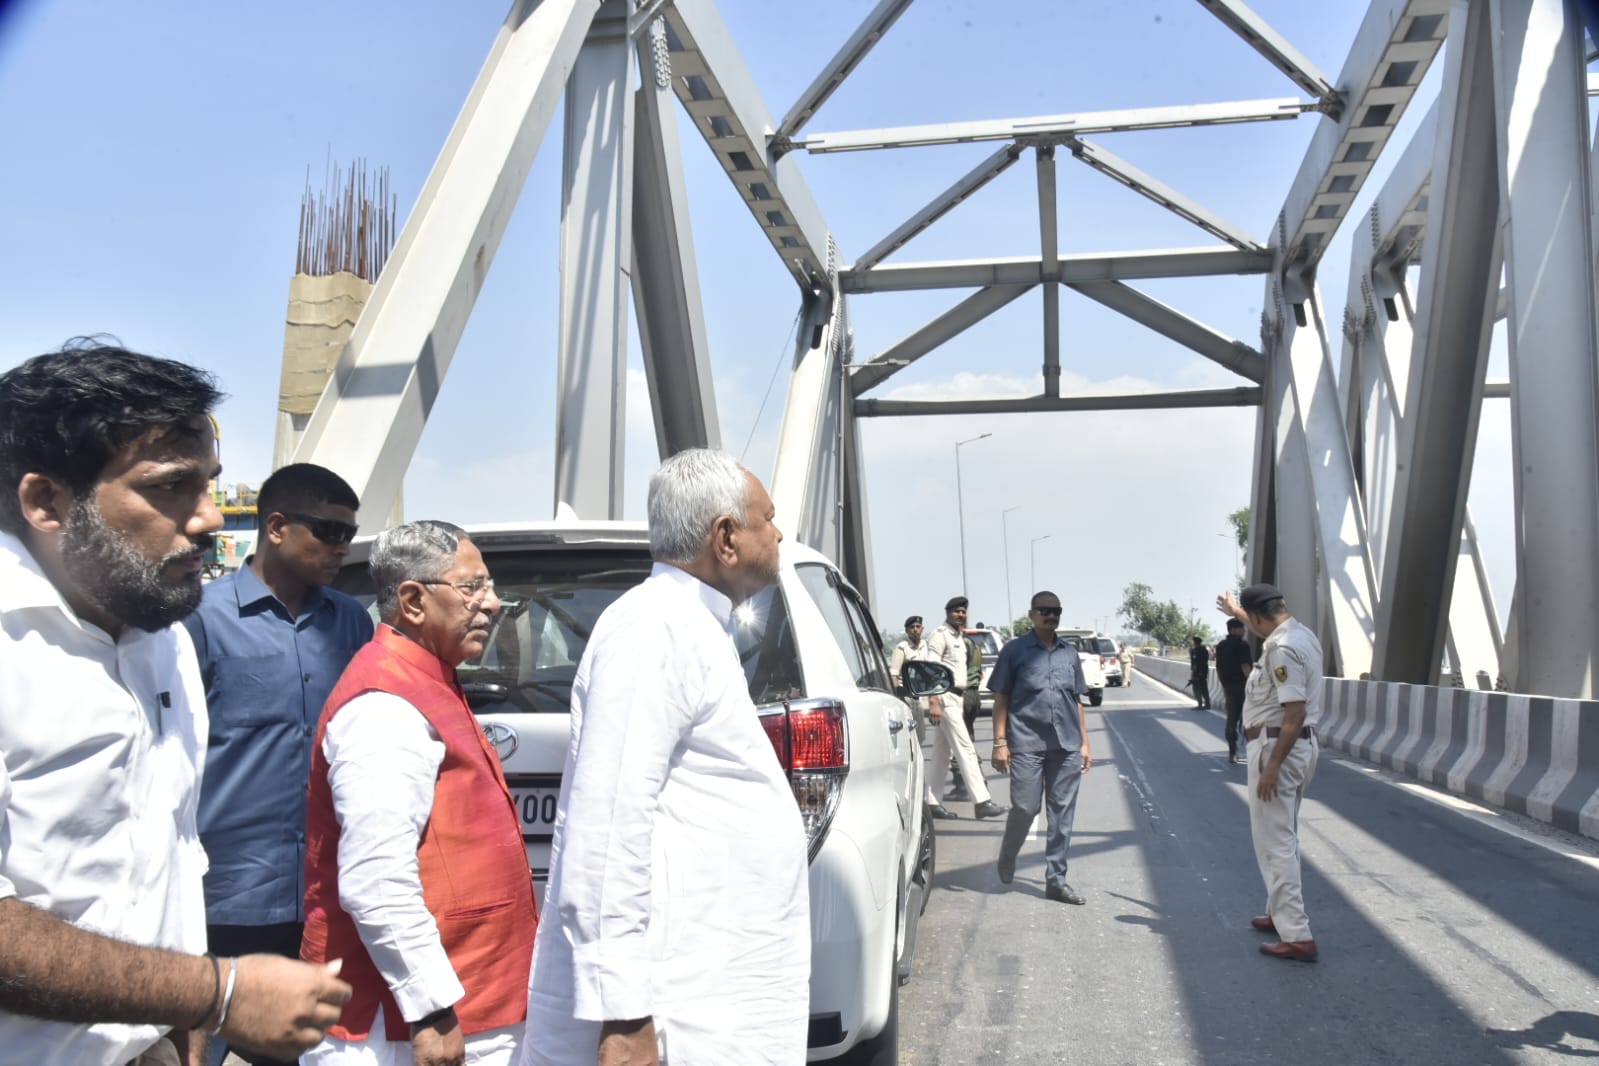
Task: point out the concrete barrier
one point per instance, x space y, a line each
1529 754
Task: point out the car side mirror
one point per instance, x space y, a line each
922 678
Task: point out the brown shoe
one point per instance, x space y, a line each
1264 923
1293 950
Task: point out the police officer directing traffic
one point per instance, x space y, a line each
1282 703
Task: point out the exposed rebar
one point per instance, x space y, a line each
350 226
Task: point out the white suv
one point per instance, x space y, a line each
1087 646
813 658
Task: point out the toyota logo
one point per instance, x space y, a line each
503 737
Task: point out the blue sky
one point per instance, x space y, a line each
157 153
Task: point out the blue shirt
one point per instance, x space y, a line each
266 675
1043 686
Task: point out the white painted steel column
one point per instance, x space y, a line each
1345 579
1049 256
372 411
596 249
806 480
666 286
1438 431
1540 84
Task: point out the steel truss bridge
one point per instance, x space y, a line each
1366 428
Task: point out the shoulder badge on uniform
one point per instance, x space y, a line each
1282 674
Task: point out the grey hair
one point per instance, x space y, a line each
688 493
416 551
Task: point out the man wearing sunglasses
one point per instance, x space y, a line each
1041 739
272 640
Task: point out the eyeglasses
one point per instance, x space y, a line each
327 530
1051 612
475 589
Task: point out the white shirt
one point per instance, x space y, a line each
101 744
383 761
678 882
949 647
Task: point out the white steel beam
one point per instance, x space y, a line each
1271 44
1151 188
869 407
666 287
939 206
1393 48
1236 356
715 86
1057 127
970 311
1540 83
1088 266
807 481
1345 586
1399 213
1459 278
1049 261
865 37
596 249
377 400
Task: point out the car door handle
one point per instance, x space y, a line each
895 725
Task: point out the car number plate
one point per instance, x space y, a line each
535 809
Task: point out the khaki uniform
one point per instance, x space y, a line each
949 646
1290 670
1127 667
922 652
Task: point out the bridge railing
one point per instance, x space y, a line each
1533 755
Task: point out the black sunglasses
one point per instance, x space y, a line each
1053 612
327 530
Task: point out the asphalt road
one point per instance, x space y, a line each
1444 939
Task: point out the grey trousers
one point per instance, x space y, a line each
1037 778
1274 826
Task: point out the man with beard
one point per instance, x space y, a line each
105 519
679 923
415 871
272 641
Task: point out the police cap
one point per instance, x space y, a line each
1256 597
954 602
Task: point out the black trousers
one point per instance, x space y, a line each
1233 691
1201 683
231 941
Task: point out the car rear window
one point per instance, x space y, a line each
1106 646
550 600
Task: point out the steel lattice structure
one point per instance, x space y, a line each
1362 464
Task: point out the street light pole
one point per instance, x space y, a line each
1238 562
1010 608
1033 564
960 504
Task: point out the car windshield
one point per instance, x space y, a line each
549 602
987 641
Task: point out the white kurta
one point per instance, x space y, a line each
678 883
101 744
383 762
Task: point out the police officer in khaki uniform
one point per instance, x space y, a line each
913 648
1282 703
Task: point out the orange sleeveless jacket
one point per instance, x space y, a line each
475 877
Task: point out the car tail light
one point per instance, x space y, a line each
1106 660
811 738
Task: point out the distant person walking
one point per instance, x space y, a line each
949 644
1282 704
913 648
1199 673
679 914
1127 665
1233 663
1041 740
272 641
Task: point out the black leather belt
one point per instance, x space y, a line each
1275 731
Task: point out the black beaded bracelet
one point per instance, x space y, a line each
216 993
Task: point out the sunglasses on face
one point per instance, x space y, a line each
327 530
1048 612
